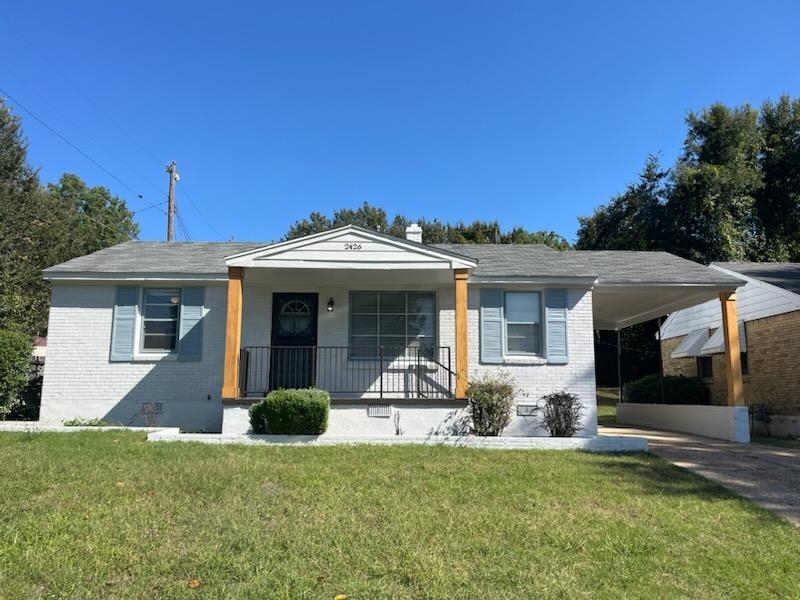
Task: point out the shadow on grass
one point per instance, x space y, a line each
657 477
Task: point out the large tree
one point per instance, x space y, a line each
433 231
40 227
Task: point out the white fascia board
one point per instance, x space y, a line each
566 281
623 288
247 259
115 277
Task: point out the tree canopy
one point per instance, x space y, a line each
43 225
732 195
433 231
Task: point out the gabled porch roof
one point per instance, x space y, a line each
350 247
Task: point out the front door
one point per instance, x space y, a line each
294 339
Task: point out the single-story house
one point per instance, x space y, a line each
769 337
171 333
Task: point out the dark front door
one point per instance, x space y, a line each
294 340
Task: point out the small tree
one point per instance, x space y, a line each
490 403
562 414
15 354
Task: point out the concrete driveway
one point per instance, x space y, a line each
767 475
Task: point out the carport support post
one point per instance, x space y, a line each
733 361
460 276
233 334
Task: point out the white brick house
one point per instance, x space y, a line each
182 333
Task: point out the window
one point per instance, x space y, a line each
161 311
745 365
523 323
392 321
705 369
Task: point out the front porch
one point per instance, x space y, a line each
348 372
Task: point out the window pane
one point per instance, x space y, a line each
162 297
364 348
420 303
162 327
364 325
159 342
420 325
523 339
160 311
392 325
364 302
523 306
393 303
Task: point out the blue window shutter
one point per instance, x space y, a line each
124 322
555 315
190 340
491 326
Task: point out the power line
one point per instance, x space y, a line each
199 212
66 141
182 226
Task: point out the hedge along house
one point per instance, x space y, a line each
769 332
169 333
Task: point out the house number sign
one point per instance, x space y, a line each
352 246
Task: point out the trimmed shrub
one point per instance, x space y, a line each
677 390
15 356
562 414
291 412
490 402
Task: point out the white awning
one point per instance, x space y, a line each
691 344
716 343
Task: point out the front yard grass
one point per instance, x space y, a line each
107 515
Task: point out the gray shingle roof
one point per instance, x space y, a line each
782 274
157 257
493 260
609 266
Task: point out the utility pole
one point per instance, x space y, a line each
172 169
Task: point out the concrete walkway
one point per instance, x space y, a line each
767 475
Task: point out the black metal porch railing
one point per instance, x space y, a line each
358 371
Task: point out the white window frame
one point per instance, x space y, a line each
506 322
142 319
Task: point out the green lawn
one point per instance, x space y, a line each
607 399
106 515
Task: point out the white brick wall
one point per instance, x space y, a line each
535 381
80 381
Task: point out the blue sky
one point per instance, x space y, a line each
524 112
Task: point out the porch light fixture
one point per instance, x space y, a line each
331 304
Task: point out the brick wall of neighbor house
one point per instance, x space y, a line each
676 366
535 381
80 381
773 352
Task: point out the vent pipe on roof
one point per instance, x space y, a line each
414 233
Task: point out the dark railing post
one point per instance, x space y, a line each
417 378
449 373
380 370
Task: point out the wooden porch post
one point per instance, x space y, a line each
733 361
233 334
460 276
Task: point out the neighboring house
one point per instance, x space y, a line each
769 333
177 333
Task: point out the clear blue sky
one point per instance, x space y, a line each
525 112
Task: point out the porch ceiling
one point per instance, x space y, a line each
622 305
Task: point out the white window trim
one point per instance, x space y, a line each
525 358
140 354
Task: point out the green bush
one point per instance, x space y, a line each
291 412
677 390
562 414
15 356
490 402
